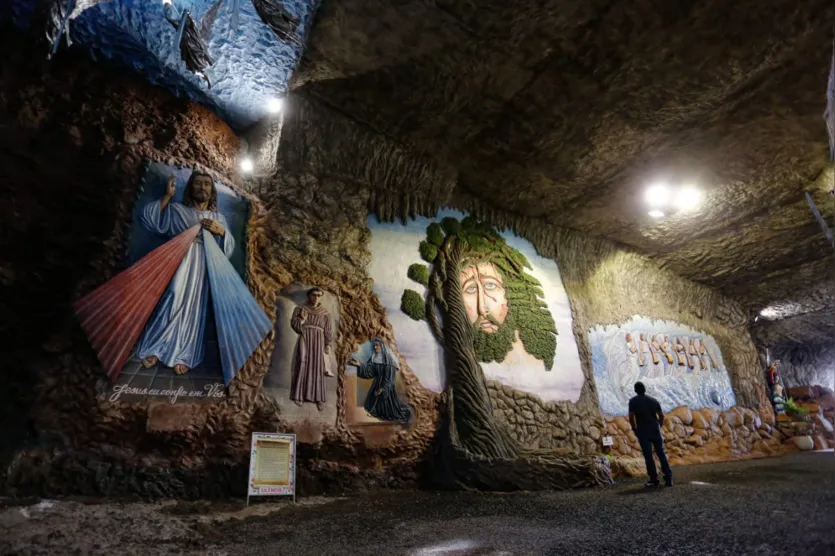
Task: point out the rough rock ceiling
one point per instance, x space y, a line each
251 65
566 110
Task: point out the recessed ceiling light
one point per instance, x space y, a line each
657 195
247 165
656 213
274 105
687 198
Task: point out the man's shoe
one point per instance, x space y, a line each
652 484
668 483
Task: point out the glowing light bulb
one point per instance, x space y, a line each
657 195
770 313
166 2
656 213
687 198
274 105
246 165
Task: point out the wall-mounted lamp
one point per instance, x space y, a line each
246 165
274 105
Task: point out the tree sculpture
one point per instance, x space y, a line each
479 302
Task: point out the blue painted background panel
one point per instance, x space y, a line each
250 66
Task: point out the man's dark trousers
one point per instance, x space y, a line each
647 444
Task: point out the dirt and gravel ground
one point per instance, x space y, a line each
762 507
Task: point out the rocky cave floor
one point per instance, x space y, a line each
764 507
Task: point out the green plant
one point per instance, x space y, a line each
792 407
428 251
412 303
419 273
434 234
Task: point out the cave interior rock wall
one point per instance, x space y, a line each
70 169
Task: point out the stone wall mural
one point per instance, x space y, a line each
179 322
678 365
515 300
302 376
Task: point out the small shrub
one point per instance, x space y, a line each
451 226
792 407
419 273
412 304
428 252
434 234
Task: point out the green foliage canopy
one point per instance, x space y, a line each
527 312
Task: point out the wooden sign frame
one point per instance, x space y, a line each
272 465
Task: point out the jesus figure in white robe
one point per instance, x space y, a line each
174 334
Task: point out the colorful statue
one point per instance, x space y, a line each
774 377
778 400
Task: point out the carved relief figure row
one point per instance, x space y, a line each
681 350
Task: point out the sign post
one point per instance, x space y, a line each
272 465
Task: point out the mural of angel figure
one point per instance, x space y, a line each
193 40
275 16
59 14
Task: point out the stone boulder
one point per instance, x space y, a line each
623 424
804 443
826 402
699 421
711 415
734 417
824 423
802 392
811 406
683 412
624 467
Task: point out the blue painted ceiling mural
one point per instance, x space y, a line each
251 65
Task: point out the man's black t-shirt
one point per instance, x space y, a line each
645 408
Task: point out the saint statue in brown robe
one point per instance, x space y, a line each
312 323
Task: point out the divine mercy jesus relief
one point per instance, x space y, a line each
179 323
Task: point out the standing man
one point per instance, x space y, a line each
646 418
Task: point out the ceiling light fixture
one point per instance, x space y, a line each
246 165
656 213
687 198
274 105
657 195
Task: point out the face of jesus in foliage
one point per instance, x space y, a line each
485 298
